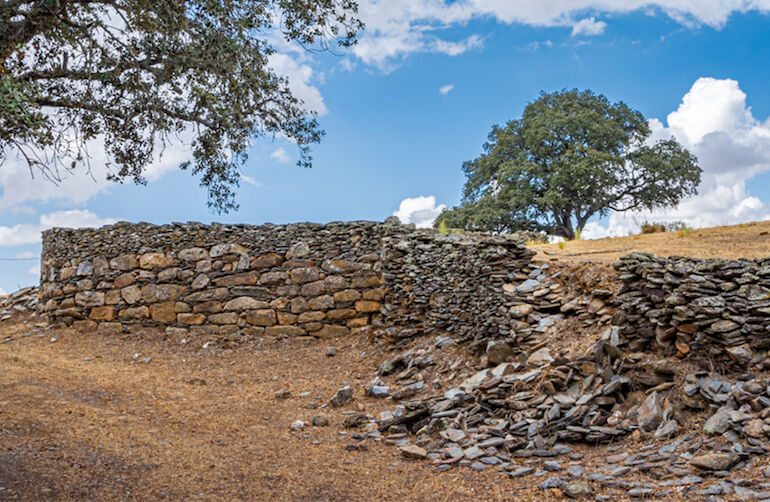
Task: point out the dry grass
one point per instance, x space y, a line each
199 424
750 240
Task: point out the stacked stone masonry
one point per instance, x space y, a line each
469 285
711 307
301 279
322 280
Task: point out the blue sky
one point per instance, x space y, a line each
418 96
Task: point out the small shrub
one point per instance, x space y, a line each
652 228
561 244
578 233
443 228
684 231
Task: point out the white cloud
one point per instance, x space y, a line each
35 270
398 28
446 89
714 122
280 155
29 233
422 211
251 181
2 292
26 255
300 76
588 26
18 185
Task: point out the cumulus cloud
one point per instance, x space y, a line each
714 122
280 155
18 185
29 233
397 28
446 89
588 26
300 77
2 292
422 211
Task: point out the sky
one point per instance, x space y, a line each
417 97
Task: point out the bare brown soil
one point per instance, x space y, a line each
200 424
750 240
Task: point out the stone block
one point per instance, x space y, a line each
135 313
244 303
367 281
152 293
208 307
150 261
303 275
313 316
193 254
261 317
267 260
339 314
225 249
225 318
367 306
312 289
131 294
358 322
242 279
104 313
273 278
89 298
124 280
286 318
347 296
191 318
299 305
324 302
163 312
375 295
124 263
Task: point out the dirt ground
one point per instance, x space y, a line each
750 240
83 419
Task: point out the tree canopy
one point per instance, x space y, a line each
571 155
137 73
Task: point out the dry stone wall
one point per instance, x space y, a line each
320 280
323 280
709 307
463 284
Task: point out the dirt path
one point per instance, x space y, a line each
198 423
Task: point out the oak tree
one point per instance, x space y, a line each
136 74
572 155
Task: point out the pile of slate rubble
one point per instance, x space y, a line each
667 420
20 302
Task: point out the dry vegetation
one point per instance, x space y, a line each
750 240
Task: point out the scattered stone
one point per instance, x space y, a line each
331 351
413 451
342 397
321 420
715 461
